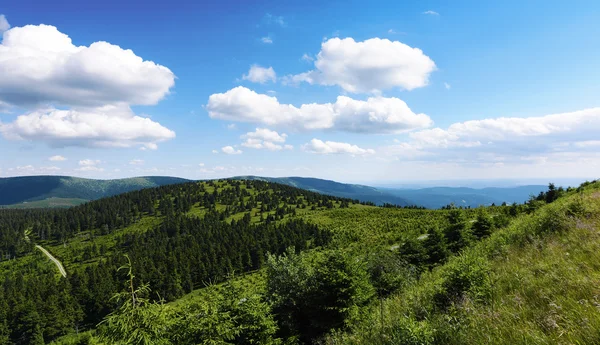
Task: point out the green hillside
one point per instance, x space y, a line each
344 190
64 191
433 197
249 261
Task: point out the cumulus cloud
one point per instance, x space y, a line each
136 162
375 115
263 138
89 162
57 158
431 13
4 25
108 126
506 138
39 64
332 147
259 74
78 95
369 66
230 150
266 40
89 165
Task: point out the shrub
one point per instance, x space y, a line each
553 220
411 332
467 275
388 273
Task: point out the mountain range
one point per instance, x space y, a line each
66 191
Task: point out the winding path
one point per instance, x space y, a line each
55 260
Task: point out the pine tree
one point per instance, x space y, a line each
483 224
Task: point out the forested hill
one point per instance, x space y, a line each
179 238
63 191
48 191
434 197
345 190
156 266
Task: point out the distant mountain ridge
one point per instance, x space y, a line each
65 191
26 189
345 190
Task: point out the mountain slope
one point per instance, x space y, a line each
343 190
533 282
433 197
436 197
26 189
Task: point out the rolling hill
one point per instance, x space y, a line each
434 197
343 190
65 191
413 276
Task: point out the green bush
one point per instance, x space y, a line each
410 332
317 292
552 221
388 273
466 276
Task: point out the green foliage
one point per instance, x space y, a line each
457 233
483 225
388 272
436 250
313 294
464 277
534 281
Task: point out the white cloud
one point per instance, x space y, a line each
230 150
85 91
108 126
263 138
447 86
136 162
369 66
375 115
332 147
506 138
215 151
231 126
266 135
431 13
307 58
259 74
39 64
57 158
4 25
89 162
267 40
90 168
31 170
88 165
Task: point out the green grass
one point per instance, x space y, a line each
535 282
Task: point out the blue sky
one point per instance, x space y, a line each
392 91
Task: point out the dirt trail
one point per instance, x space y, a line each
55 260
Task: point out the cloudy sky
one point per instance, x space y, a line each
387 91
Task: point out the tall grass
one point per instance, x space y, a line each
534 282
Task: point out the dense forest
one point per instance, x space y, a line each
243 262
